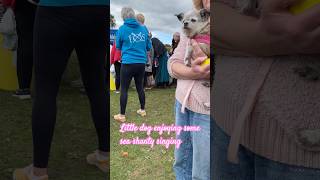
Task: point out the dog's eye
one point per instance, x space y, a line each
193 20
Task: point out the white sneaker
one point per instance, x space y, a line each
22 94
141 112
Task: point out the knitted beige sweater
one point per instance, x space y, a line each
284 124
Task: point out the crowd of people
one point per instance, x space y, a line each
156 73
135 54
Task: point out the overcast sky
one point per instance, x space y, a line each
159 15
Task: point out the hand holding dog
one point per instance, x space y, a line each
202 72
303 29
275 32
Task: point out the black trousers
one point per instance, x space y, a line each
59 31
129 71
25 14
117 67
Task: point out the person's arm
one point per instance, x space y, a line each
177 69
152 53
149 44
119 39
276 32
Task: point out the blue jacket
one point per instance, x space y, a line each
133 41
73 2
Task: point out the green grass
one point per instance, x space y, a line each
143 162
75 136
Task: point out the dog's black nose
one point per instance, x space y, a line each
185 24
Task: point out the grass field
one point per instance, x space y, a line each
143 162
75 136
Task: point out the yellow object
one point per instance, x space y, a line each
8 75
303 5
206 62
112 83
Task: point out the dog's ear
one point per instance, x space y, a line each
180 16
205 14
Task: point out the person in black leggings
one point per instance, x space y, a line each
132 39
129 71
24 13
59 31
117 67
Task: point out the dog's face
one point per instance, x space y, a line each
194 21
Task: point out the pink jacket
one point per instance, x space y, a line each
192 94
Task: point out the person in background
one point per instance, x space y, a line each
175 42
115 59
148 69
10 38
61 27
192 159
161 59
24 14
133 42
148 78
174 45
140 18
155 66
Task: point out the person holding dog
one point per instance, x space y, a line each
192 159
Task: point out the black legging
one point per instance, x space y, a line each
117 67
25 14
58 31
129 71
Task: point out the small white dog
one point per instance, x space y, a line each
196 26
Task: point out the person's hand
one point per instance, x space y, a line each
201 72
302 31
275 32
195 72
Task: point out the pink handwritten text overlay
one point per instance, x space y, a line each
159 129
